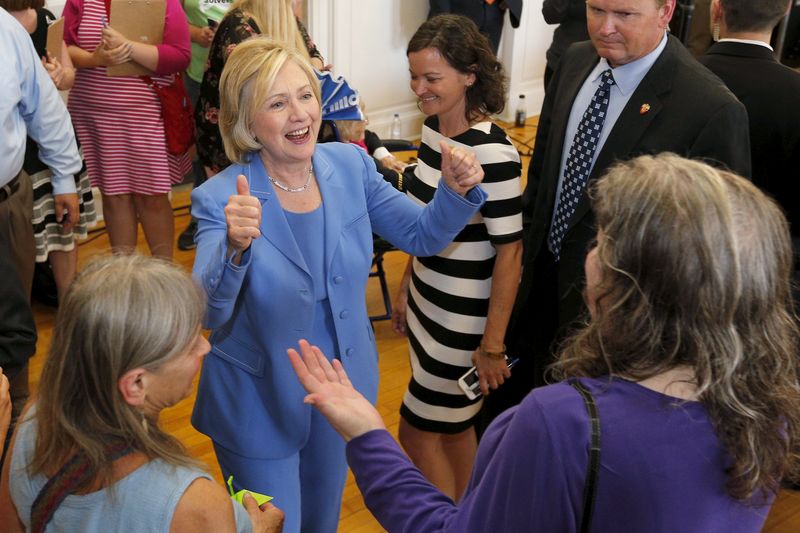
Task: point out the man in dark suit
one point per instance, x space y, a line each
658 99
487 14
770 91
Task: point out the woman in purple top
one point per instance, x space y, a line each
690 356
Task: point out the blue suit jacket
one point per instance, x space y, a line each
249 399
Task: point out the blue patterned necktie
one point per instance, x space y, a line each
579 162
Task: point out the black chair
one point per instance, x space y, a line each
380 248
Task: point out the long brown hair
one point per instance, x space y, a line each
121 312
696 268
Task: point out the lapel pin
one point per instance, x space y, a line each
644 109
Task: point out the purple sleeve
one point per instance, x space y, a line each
73 10
519 481
175 53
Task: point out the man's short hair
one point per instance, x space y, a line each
753 15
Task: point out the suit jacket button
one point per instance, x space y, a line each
338 279
349 352
344 314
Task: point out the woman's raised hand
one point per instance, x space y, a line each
243 216
331 392
461 170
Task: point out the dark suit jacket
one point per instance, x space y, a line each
771 94
691 113
474 8
570 15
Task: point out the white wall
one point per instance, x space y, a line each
365 40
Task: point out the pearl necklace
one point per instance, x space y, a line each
286 188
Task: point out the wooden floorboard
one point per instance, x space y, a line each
394 370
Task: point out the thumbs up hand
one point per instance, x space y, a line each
461 170
243 217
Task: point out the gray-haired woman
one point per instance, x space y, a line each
126 345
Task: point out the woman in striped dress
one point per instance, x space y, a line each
118 121
455 306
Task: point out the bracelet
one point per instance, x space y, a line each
400 181
492 355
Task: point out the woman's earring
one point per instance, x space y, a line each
715 32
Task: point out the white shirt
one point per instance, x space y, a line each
30 105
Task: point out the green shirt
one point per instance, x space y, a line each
197 13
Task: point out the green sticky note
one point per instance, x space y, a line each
260 499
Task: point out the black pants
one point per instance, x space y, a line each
533 336
17 329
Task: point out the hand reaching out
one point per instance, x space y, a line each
331 392
243 217
461 170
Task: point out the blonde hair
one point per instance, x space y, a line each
122 312
275 19
696 270
246 81
348 128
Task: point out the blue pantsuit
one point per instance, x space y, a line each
249 401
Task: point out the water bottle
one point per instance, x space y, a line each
395 132
520 115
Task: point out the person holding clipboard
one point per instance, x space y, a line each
118 118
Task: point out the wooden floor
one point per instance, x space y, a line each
394 370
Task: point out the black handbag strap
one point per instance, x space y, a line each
593 468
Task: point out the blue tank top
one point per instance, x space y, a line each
308 230
144 500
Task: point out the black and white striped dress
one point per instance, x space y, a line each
449 293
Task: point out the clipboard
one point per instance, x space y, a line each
140 21
55 38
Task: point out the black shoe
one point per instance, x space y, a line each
44 288
186 239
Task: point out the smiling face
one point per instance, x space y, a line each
287 123
441 89
625 30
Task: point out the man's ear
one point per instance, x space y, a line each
716 11
665 13
131 386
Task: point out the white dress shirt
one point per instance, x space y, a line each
30 105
